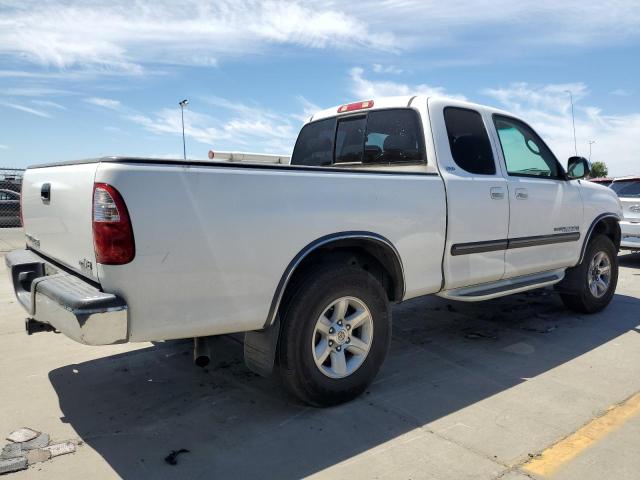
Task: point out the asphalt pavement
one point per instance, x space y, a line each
469 391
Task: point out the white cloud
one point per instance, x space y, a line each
22 108
107 103
621 92
363 88
48 103
3 147
34 91
21 74
119 36
554 97
246 127
308 109
123 36
378 68
547 108
501 24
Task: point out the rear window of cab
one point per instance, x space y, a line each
379 137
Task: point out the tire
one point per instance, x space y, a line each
577 289
304 339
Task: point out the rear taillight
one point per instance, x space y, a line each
112 231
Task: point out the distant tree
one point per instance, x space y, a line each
599 169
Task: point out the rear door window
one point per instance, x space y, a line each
468 140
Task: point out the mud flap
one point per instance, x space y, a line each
260 349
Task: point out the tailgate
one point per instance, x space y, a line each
56 209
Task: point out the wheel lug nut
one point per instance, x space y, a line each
339 322
348 340
338 348
348 327
331 330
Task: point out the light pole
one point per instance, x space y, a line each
573 121
591 142
183 104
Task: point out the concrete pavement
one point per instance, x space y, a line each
469 391
10 239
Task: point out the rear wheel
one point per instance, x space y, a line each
590 286
335 335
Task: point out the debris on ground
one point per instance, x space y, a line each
23 435
9 465
37 455
540 330
475 335
172 458
57 449
27 447
40 441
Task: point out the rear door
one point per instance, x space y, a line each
546 209
477 200
57 203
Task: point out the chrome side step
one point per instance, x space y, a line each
500 288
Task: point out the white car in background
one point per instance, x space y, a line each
628 190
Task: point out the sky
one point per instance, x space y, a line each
94 78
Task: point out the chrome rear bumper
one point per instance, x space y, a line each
68 303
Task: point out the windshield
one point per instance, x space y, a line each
626 188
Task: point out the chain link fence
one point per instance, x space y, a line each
10 186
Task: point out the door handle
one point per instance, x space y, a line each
522 194
496 193
45 192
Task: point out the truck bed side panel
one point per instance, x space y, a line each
212 243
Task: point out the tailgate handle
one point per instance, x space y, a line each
45 192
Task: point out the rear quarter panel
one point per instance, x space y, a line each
212 243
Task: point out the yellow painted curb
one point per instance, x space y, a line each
565 450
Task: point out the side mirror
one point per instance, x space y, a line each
578 167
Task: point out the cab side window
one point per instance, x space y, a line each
468 140
525 154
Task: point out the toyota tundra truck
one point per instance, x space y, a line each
382 201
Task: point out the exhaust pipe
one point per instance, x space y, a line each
201 351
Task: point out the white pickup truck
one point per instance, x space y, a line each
382 201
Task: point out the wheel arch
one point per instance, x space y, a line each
607 224
369 250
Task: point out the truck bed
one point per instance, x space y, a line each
213 238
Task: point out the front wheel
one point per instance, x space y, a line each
589 286
335 335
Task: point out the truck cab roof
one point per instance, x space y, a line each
402 101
